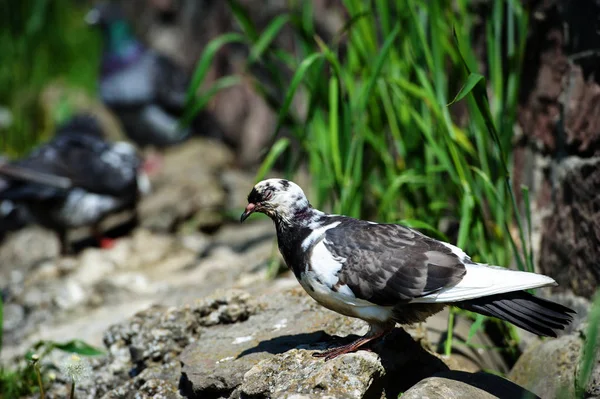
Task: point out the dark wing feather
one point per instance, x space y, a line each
81 159
388 263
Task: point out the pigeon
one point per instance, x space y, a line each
12 216
77 179
145 89
388 273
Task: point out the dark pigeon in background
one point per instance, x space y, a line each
146 90
75 180
387 273
12 216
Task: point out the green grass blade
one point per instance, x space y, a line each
267 37
378 65
334 128
475 327
274 153
589 353
295 82
205 61
243 18
202 100
473 80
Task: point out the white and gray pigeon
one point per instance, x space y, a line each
388 273
77 179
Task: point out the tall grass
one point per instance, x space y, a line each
378 136
41 40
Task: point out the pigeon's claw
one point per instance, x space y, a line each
374 333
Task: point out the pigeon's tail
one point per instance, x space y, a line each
531 313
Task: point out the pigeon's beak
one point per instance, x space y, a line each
249 211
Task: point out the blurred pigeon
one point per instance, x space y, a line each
12 216
387 273
75 180
146 90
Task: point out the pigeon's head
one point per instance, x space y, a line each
277 198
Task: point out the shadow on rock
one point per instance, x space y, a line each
285 343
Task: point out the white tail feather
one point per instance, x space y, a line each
483 280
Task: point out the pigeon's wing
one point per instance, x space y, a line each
93 165
387 263
85 161
23 180
131 86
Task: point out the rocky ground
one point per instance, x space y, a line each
184 307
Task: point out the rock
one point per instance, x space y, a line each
571 240
459 384
13 316
158 335
548 369
270 355
186 185
22 251
154 382
296 371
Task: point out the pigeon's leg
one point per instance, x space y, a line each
103 242
375 331
65 248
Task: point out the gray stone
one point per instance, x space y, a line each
270 355
571 240
296 371
549 368
459 384
186 185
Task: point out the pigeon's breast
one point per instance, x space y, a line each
320 280
83 208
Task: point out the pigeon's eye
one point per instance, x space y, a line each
268 195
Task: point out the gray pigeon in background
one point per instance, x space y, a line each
387 273
146 90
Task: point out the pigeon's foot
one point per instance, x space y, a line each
376 331
153 163
106 243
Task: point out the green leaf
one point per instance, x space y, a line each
79 347
203 64
473 80
202 99
267 37
296 80
476 326
276 150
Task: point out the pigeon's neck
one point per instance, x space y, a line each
292 231
121 48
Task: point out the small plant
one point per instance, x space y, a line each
76 370
36 367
